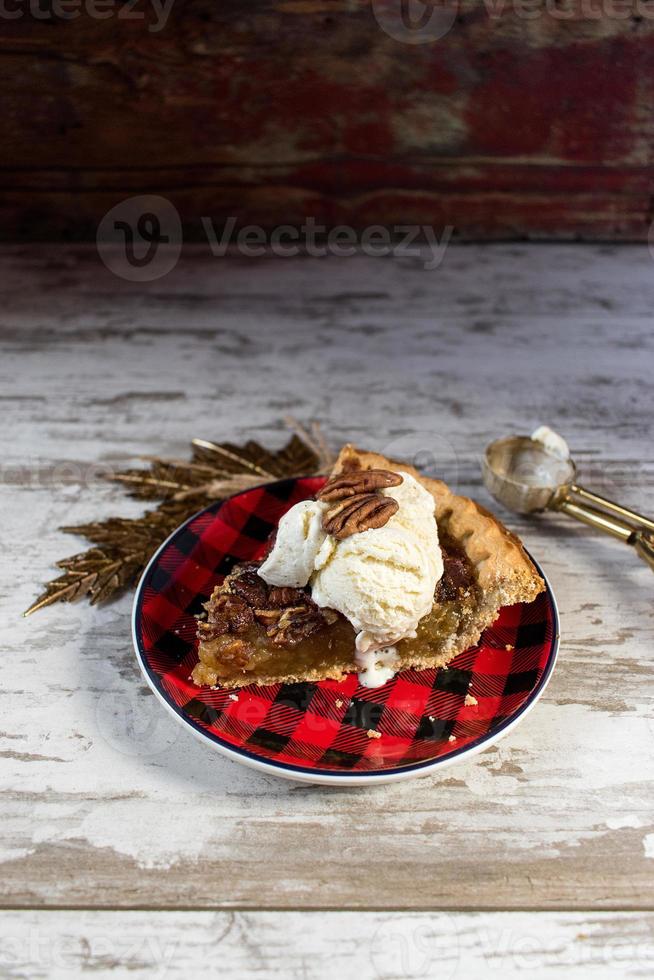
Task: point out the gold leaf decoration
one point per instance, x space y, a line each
122 547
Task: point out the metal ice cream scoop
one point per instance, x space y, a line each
526 477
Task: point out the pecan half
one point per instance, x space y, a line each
245 583
268 617
359 513
280 597
241 616
227 613
287 627
209 631
362 481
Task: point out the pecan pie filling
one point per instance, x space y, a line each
254 632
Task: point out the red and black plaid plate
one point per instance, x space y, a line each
328 731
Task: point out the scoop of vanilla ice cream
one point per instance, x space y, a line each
383 580
299 539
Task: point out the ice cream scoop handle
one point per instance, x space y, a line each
588 515
641 541
644 545
631 516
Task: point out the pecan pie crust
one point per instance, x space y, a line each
257 634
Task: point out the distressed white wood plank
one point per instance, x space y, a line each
106 801
311 946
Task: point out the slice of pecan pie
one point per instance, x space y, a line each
255 633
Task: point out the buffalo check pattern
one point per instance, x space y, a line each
327 727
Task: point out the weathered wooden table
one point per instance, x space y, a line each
129 847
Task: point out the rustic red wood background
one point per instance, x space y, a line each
508 126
